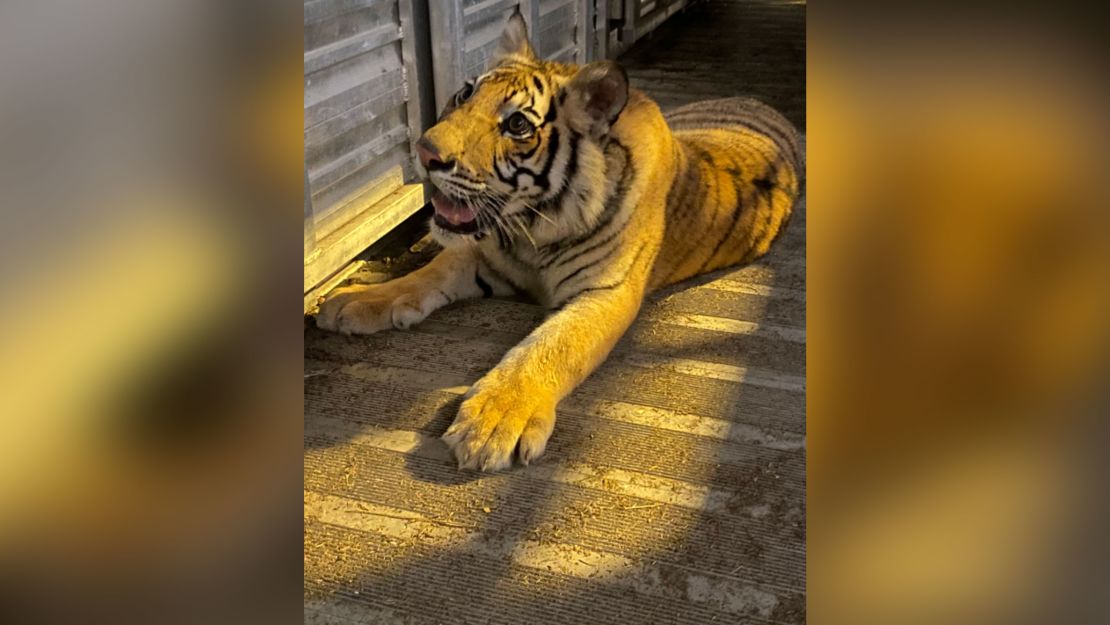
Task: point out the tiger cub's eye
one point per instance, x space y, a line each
464 94
518 124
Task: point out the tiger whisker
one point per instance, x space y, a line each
493 205
524 229
487 209
534 210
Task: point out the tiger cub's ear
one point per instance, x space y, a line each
514 40
600 91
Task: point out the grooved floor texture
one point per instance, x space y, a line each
673 488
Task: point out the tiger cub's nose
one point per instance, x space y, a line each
430 156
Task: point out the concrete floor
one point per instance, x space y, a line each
673 488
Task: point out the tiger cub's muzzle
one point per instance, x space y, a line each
452 214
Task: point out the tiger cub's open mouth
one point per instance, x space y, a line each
454 215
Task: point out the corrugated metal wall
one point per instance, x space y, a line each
558 30
483 21
553 25
357 105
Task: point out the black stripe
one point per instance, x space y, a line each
786 139
747 106
770 173
502 277
506 178
607 287
569 172
762 115
553 151
765 184
756 153
538 178
691 202
539 84
579 254
623 148
691 114
678 155
612 208
487 290
589 265
716 202
736 210
783 137
502 241
679 192
527 155
559 250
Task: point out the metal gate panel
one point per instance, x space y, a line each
557 33
483 23
361 112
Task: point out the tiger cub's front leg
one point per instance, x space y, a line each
512 408
454 274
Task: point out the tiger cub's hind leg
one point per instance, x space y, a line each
454 274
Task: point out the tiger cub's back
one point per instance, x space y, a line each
737 179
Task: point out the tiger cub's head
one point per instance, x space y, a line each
514 140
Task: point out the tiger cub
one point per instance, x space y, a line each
561 182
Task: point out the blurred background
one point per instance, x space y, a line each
151 180
151 169
959 272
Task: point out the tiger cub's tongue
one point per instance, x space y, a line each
454 212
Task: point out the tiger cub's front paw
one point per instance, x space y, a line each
500 417
366 309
